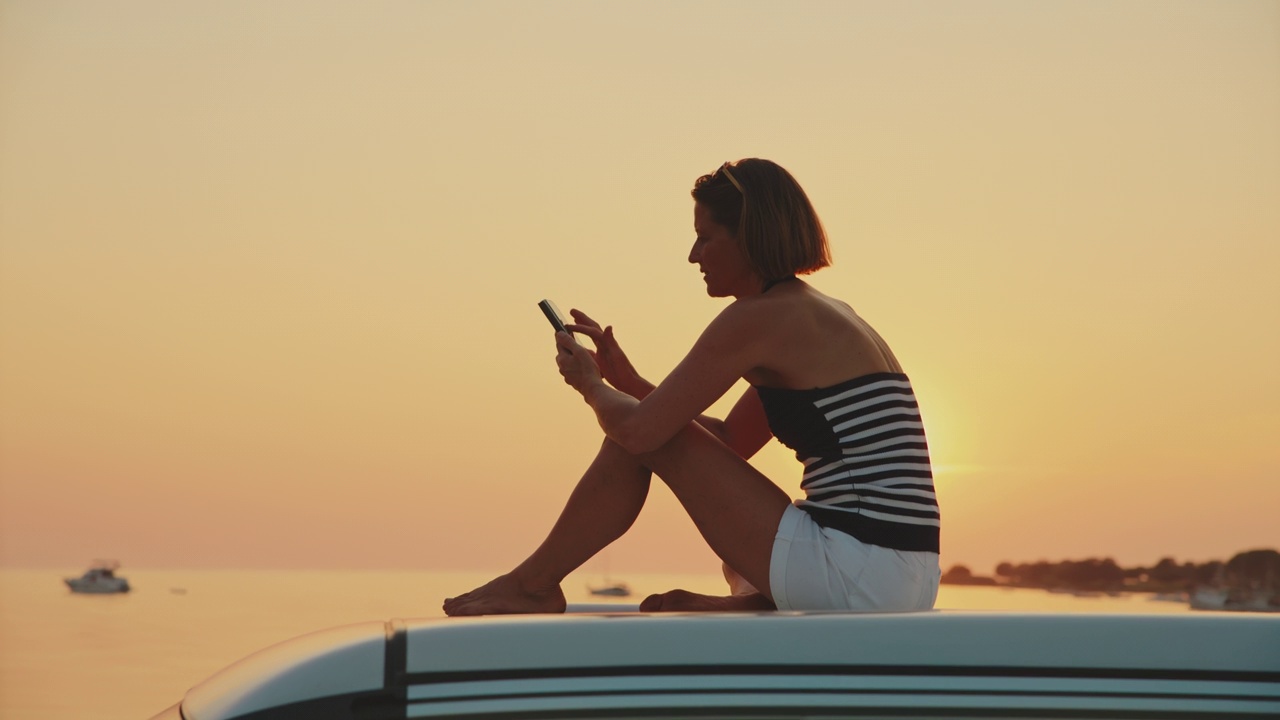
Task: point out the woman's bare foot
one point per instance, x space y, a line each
685 601
504 595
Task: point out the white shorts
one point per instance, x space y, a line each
817 568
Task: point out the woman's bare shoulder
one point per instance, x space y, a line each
815 340
787 309
760 310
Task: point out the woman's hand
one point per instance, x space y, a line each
577 366
612 362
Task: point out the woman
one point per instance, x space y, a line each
822 381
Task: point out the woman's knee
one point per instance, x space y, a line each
677 451
613 453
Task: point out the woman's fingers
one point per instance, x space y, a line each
609 341
569 346
584 319
564 341
576 363
585 325
591 331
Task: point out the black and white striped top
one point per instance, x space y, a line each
866 462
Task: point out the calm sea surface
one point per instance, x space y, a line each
127 657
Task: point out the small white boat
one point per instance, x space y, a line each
100 578
1207 598
611 590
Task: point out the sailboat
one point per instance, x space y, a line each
610 588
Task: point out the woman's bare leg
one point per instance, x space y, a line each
734 506
601 508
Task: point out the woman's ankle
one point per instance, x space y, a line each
530 582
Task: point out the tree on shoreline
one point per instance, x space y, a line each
1254 571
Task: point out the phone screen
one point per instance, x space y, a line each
554 316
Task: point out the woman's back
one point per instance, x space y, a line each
833 392
813 341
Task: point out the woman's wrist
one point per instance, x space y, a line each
637 387
592 391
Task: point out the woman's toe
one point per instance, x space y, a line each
653 603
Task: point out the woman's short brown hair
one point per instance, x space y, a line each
767 210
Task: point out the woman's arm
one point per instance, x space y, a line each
727 349
745 424
613 363
746 429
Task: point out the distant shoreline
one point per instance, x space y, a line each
1250 578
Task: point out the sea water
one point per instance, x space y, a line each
66 656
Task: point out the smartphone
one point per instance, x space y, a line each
554 316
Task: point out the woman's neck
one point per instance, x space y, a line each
772 283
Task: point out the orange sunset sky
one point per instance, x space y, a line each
269 270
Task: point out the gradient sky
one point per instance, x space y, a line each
269 271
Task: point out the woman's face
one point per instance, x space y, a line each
717 254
